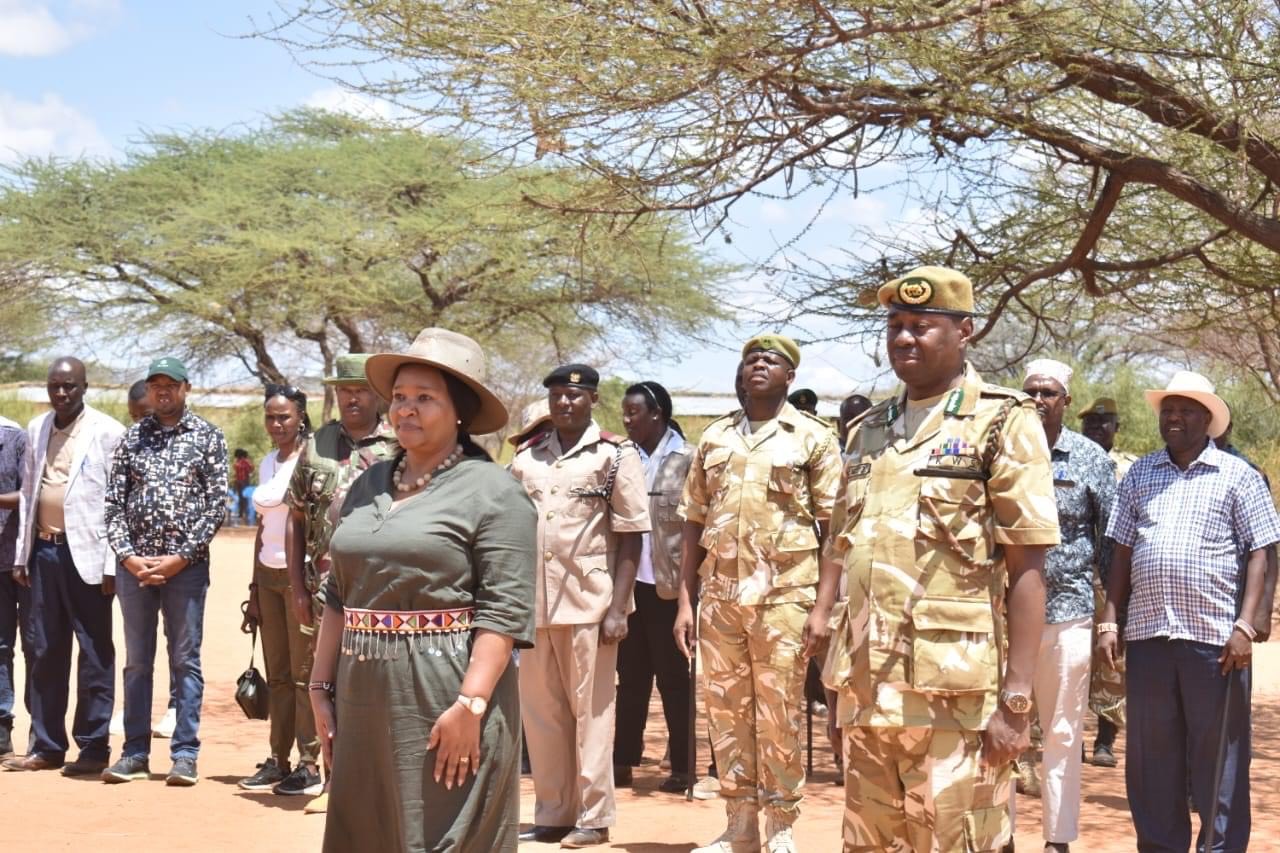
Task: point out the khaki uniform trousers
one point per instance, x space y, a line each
754 666
567 693
922 790
286 652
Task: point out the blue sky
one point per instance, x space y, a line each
82 76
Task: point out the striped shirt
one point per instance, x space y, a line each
1187 530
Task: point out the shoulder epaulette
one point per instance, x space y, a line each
991 390
613 437
532 442
817 419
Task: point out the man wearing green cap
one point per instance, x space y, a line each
756 503
333 457
945 513
166 498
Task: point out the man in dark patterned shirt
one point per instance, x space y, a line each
165 501
1084 484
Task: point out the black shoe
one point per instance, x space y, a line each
183 774
130 768
621 776
269 773
85 767
545 834
586 838
303 781
676 783
1103 756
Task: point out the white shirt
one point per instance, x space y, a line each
670 443
268 499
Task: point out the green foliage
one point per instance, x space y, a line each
333 234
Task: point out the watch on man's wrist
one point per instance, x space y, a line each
1016 703
474 704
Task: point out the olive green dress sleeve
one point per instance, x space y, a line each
504 559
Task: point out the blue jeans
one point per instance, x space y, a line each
15 611
180 600
63 606
1176 696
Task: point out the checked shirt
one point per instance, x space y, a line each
1187 530
168 488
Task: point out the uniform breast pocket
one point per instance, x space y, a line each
952 507
953 649
715 467
788 477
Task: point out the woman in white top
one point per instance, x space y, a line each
284 646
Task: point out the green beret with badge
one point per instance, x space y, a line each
1101 406
780 344
575 376
934 290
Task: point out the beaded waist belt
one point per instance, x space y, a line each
409 621
381 634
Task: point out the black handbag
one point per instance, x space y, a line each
251 687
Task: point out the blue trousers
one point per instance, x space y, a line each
180 601
64 606
1176 696
15 610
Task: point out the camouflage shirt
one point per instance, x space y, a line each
329 463
918 526
759 497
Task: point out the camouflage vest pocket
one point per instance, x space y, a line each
960 505
986 829
954 649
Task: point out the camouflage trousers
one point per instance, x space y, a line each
922 790
753 665
1106 685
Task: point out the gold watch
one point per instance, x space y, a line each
474 704
1016 703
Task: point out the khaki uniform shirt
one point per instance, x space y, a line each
1123 462
577 533
759 497
55 475
919 526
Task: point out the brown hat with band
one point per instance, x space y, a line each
1101 406
535 414
935 290
455 354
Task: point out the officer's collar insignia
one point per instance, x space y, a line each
892 414
915 291
954 401
575 377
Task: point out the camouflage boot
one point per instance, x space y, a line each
777 833
742 835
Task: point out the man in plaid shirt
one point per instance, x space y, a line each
1183 519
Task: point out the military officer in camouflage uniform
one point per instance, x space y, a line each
945 513
333 457
756 504
1100 422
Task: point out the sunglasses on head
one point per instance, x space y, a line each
274 389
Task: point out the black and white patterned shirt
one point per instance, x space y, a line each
1084 487
168 489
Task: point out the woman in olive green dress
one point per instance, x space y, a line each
431 587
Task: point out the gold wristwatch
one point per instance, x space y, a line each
1017 703
474 704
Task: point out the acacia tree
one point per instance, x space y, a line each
1117 160
327 234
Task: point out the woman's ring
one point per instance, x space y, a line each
464 759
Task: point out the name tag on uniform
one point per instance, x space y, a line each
857 472
956 458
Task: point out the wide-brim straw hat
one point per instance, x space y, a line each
453 353
535 414
1195 387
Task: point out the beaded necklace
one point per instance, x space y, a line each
398 474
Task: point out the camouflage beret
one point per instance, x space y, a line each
780 344
1101 406
935 290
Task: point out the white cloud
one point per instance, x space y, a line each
44 127
338 100
30 29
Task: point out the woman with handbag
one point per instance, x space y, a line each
430 588
284 646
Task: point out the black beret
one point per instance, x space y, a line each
577 375
803 397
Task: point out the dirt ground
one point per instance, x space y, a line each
45 811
